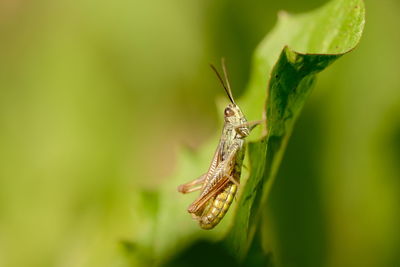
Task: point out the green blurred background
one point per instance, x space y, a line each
97 96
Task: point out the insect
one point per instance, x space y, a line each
220 183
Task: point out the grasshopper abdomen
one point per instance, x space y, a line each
217 208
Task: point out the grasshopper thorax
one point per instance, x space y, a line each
234 118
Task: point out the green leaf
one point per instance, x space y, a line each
312 42
284 68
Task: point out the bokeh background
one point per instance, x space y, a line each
97 96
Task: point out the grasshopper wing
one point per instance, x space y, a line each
216 181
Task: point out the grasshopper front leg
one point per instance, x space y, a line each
250 124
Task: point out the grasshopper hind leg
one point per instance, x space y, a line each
192 186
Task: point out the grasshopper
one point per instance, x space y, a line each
219 184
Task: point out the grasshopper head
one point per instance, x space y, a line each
234 116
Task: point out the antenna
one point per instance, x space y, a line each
229 92
227 89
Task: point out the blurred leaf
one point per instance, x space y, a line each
310 42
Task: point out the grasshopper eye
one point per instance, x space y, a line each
229 112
